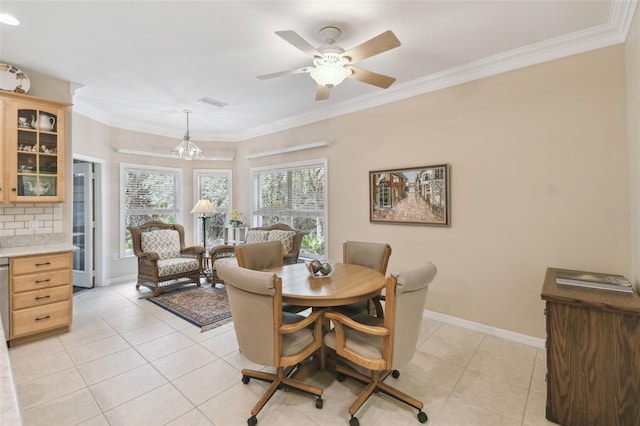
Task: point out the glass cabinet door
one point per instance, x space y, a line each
36 157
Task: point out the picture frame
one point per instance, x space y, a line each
411 196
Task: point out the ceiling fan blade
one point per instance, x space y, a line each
380 80
293 38
322 93
283 73
380 43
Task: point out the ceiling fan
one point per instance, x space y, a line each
332 64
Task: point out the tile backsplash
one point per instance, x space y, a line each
30 219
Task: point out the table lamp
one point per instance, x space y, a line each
203 207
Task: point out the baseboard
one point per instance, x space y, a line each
123 279
492 331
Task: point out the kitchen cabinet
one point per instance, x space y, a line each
41 294
33 148
593 355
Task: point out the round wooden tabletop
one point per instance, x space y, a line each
348 284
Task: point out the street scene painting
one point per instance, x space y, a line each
417 196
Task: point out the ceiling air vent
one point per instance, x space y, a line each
213 102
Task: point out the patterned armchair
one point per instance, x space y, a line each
291 242
163 260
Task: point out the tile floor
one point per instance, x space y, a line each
129 362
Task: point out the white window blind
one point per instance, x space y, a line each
294 194
148 193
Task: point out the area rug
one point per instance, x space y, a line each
206 307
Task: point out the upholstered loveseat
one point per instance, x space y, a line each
291 241
164 262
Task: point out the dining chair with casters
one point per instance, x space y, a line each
382 345
371 255
267 335
261 256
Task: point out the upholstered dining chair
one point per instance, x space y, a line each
382 345
371 255
261 256
268 336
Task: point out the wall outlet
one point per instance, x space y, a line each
33 225
114 256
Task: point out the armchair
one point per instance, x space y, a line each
164 262
381 345
291 241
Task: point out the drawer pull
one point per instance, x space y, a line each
43 281
43 264
43 318
43 297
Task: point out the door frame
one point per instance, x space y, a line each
99 202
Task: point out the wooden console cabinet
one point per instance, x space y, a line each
593 355
41 295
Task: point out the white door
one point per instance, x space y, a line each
83 225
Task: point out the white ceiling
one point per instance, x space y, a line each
140 63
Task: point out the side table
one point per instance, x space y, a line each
235 234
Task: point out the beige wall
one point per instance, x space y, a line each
96 140
632 51
540 172
538 160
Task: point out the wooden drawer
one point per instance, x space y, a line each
40 263
41 318
29 299
41 280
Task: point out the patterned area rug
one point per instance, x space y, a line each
206 307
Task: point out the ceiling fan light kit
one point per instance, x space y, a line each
332 64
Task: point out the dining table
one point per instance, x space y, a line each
347 284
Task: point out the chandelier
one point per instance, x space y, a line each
186 149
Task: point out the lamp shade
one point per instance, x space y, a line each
329 75
203 207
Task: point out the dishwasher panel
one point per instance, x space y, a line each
4 296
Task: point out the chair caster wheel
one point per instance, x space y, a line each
245 380
319 403
353 421
395 374
422 417
252 421
340 377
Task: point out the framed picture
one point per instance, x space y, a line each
415 196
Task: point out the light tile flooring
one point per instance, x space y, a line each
129 362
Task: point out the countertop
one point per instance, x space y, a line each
38 249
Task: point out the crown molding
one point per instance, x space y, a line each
613 32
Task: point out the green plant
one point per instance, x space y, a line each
312 244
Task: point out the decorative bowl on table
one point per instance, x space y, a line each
320 268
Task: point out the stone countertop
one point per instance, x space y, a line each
25 245
39 249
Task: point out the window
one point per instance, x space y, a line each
215 186
294 194
147 193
